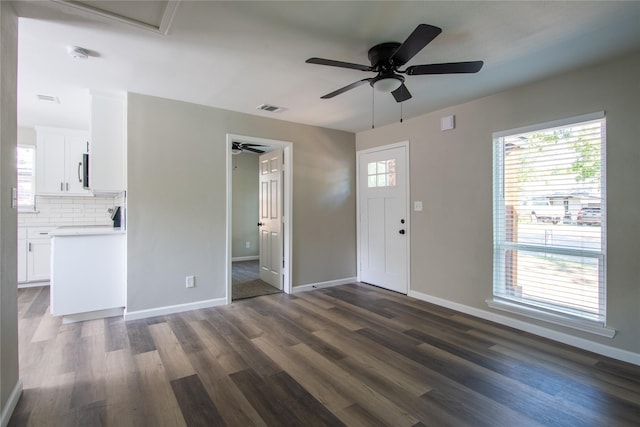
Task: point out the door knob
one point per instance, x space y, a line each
260 224
401 231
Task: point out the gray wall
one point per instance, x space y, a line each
245 205
8 219
27 136
451 172
176 199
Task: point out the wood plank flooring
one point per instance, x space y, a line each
246 282
352 355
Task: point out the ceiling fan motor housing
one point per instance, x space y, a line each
387 79
380 56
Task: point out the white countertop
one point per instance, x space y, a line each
85 230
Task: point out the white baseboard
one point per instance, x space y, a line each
92 315
24 285
245 258
170 309
605 350
12 401
320 285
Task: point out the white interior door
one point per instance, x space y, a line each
383 246
270 221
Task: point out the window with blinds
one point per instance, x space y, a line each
26 156
550 220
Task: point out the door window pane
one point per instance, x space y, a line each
381 173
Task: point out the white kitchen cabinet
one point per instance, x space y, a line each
38 260
59 161
108 142
88 273
34 254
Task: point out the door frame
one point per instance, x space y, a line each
287 192
359 154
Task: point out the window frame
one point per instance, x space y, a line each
501 245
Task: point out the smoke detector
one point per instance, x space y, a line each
78 52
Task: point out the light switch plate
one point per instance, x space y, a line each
417 206
191 282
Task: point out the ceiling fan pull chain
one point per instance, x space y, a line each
401 109
373 104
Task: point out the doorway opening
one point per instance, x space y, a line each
258 223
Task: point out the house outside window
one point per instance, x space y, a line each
550 222
26 177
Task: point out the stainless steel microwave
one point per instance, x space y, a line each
85 171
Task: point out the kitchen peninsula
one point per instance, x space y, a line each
87 272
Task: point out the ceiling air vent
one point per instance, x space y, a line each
48 98
270 108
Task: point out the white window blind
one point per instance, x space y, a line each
550 219
26 156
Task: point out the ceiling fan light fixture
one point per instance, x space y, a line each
387 83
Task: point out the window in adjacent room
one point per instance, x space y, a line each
550 222
26 178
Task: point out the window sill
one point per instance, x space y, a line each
581 325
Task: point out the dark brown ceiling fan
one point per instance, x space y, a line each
239 147
387 58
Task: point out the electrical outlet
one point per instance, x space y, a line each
191 281
248 245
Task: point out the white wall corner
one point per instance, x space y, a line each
320 285
171 309
12 402
605 350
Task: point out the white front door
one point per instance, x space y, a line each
383 227
270 221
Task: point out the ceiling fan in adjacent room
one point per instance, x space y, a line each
239 147
387 58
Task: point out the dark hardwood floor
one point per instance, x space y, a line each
351 355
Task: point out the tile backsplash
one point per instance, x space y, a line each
66 210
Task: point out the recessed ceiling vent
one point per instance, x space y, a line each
48 98
78 52
270 108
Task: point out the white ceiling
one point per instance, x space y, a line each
237 55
